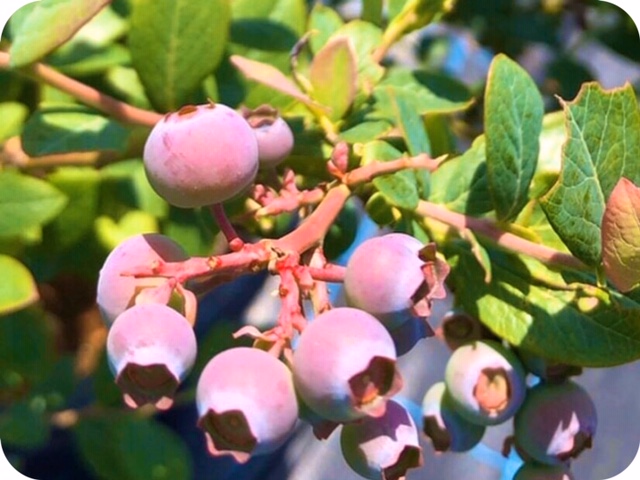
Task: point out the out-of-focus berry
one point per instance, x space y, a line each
408 334
384 447
382 275
275 138
116 292
556 422
201 155
459 328
151 348
447 430
486 382
246 403
546 369
537 471
344 365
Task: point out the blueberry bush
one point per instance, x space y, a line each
154 151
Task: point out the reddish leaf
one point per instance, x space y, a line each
621 236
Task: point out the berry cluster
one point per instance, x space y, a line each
338 370
485 384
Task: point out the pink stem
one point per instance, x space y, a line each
235 242
90 96
504 239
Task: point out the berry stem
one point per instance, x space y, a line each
235 242
331 273
374 169
490 230
117 109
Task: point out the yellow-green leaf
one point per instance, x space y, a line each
17 288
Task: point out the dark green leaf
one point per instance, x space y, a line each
603 146
81 186
513 121
70 128
124 447
24 425
48 25
26 349
26 202
18 290
175 44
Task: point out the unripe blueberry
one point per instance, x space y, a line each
151 348
201 155
486 382
275 138
344 365
382 275
246 403
382 447
116 292
555 423
444 426
537 471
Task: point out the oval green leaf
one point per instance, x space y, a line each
333 76
513 122
138 448
17 288
71 128
175 44
26 202
48 25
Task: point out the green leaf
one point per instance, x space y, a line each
372 11
125 186
13 115
365 37
125 447
366 131
323 21
603 145
19 288
399 188
568 323
175 44
621 236
26 349
417 14
81 186
71 128
333 76
193 229
549 164
461 183
410 123
513 121
416 86
26 202
24 425
49 24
